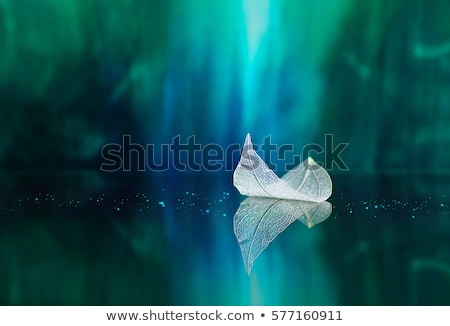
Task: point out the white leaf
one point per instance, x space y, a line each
252 177
259 220
276 203
309 179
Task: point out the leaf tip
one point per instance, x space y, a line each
248 269
248 140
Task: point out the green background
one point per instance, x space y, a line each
78 74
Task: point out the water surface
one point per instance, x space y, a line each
96 239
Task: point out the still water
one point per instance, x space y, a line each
106 239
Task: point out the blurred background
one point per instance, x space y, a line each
78 74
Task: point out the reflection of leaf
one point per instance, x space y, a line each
259 220
275 202
316 214
252 177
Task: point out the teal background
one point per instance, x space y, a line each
78 74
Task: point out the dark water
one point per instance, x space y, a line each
96 239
